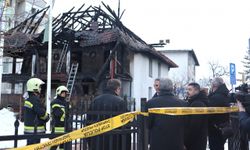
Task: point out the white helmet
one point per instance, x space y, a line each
61 89
34 85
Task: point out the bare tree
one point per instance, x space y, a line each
218 70
246 64
204 82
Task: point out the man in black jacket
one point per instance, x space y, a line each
244 118
58 107
196 126
217 98
166 131
35 116
107 103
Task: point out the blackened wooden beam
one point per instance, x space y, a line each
120 25
20 25
106 64
34 29
69 16
30 23
79 17
59 21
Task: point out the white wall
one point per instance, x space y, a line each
164 70
181 59
142 82
191 68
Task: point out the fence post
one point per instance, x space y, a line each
67 126
143 132
16 124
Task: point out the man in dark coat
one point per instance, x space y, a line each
196 126
217 98
109 102
166 131
244 118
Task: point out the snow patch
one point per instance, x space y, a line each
7 127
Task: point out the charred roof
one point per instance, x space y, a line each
87 26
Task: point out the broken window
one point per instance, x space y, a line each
18 89
6 88
19 63
150 67
7 65
159 69
149 92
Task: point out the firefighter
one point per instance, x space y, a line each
35 116
58 106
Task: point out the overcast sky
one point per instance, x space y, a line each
217 30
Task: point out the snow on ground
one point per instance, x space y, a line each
7 128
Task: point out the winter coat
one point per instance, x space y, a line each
166 132
58 107
219 98
244 118
155 95
34 114
107 103
196 125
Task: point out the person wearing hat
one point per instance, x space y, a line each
58 106
35 116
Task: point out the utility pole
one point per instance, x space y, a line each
48 95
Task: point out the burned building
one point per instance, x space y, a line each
97 42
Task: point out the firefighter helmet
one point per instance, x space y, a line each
61 89
34 85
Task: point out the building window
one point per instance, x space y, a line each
149 92
18 88
6 88
159 69
7 65
19 63
43 64
150 68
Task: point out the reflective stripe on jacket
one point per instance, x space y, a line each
31 129
34 114
58 106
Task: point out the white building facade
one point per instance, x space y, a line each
144 70
187 63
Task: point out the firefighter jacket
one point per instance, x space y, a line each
58 107
34 114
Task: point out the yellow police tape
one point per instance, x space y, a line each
193 110
88 131
120 120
